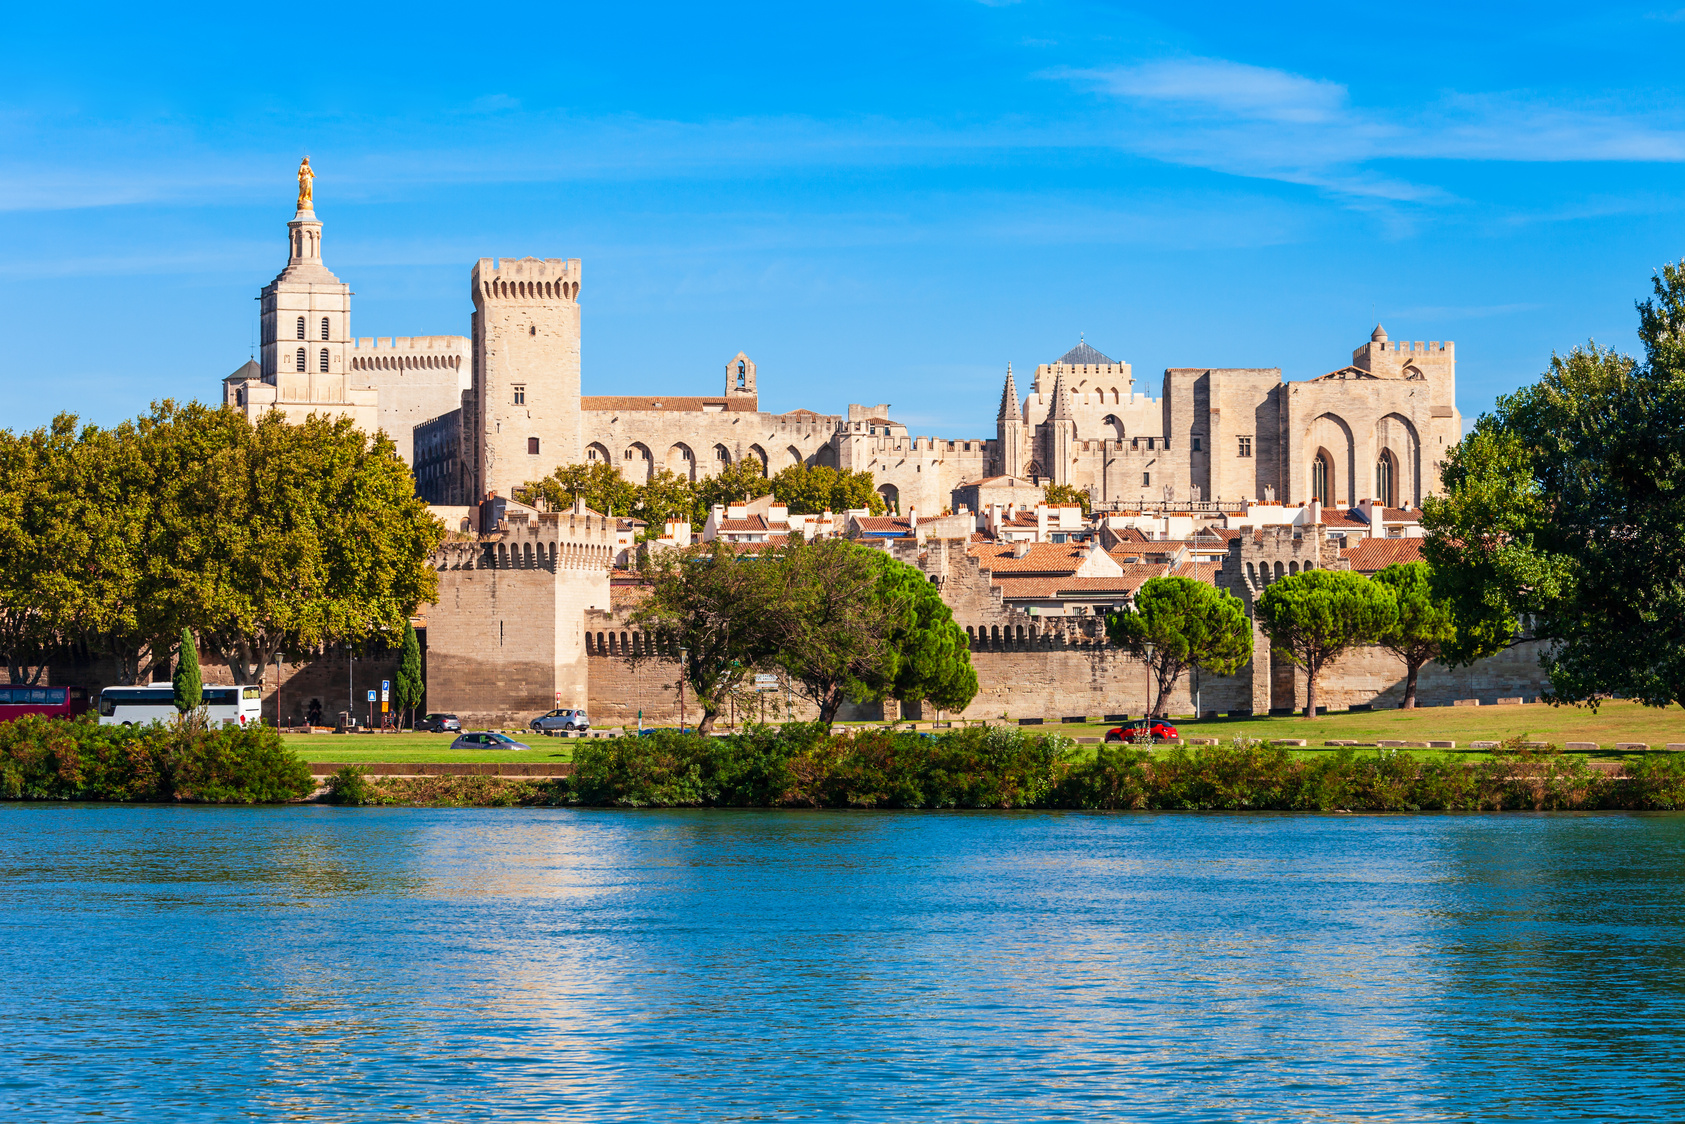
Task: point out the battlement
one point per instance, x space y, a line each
526 279
1417 348
409 353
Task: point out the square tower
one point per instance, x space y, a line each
525 419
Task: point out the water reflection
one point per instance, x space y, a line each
336 964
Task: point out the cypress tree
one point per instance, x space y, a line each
187 681
408 686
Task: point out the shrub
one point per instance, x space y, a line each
350 786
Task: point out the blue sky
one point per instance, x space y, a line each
879 202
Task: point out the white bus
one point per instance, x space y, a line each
138 706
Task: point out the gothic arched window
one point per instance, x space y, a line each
1319 480
301 327
324 361
325 334
1383 480
303 363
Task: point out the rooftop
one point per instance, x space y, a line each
1082 354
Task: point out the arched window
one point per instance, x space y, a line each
303 362
1384 480
1117 426
1319 480
323 359
742 374
325 334
532 446
723 455
301 327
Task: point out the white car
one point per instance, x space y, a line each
561 722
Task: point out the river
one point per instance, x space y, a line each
326 964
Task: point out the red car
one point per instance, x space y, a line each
1157 728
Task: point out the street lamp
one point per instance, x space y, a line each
1149 679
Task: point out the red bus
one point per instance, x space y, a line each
54 702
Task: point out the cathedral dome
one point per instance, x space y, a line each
1083 354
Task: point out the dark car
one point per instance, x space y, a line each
442 724
487 740
1158 729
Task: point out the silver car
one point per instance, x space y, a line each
561 722
487 740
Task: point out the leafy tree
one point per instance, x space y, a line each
188 683
706 603
601 484
1423 629
408 687
829 623
1058 494
286 537
1562 513
743 480
1314 617
666 496
1187 623
811 490
929 655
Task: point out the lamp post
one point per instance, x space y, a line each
684 666
1150 714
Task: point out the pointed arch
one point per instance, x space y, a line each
759 455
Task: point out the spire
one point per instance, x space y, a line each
1061 401
1008 398
1379 335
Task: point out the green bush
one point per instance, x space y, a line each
52 759
350 786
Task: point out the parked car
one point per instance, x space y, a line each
1157 728
561 721
651 731
441 724
487 740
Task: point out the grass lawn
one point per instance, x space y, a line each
1615 721
416 747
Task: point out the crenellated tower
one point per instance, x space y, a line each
524 416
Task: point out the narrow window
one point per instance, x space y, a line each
301 327
325 334
521 395
324 360
1246 446
532 446
303 363
1146 480
1196 444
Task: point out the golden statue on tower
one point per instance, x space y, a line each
305 176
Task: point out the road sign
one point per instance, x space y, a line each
371 695
766 682
385 690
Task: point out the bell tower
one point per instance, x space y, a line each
740 378
306 310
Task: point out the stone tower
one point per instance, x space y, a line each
1009 429
740 379
525 417
1060 434
306 310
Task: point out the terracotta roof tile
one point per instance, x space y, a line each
1373 555
1041 558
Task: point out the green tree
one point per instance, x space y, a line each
286 537
1561 516
1058 494
1423 629
1315 616
602 486
1185 623
188 684
708 605
853 623
811 490
407 688
743 480
667 495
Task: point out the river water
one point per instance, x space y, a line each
324 964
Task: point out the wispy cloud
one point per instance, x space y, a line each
1274 124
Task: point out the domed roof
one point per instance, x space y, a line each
1083 354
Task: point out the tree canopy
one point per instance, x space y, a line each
1562 513
599 483
814 489
1423 628
1060 494
1185 623
260 538
1315 616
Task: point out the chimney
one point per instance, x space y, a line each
1020 548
